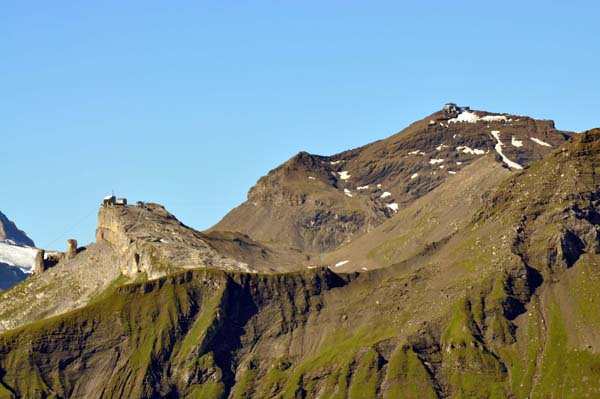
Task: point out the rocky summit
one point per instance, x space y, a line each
458 258
318 203
16 254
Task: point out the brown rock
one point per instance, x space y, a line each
71 248
39 265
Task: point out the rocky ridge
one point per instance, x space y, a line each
9 232
318 203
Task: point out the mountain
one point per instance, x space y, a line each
482 285
16 254
10 233
318 203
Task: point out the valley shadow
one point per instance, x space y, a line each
514 307
239 308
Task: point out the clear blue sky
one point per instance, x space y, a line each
189 103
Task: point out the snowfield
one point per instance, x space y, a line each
21 257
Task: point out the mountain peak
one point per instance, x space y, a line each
10 232
16 259
331 199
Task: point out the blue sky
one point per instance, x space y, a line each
189 103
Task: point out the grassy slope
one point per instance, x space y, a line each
494 312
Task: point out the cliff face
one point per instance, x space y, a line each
189 346
149 239
505 307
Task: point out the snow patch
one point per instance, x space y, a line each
336 162
516 143
472 117
414 176
498 149
344 175
441 166
348 193
452 172
416 152
468 150
441 147
386 194
540 142
494 118
434 161
311 178
459 163
342 263
379 186
359 188
466 117
393 206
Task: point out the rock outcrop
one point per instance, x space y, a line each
40 265
71 249
151 240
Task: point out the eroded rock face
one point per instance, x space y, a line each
149 239
71 248
39 265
